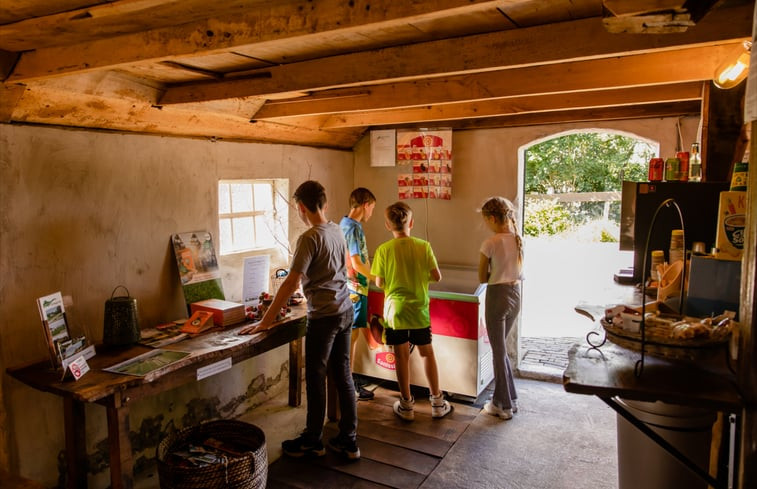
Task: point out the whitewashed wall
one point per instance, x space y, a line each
85 211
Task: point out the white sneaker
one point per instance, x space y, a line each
404 408
493 410
439 406
515 405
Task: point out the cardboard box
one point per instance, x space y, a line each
729 236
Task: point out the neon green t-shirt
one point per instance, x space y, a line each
405 264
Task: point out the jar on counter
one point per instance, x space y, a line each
656 169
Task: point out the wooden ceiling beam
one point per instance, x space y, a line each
519 105
669 109
693 64
269 23
46 105
552 43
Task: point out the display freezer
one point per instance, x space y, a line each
461 346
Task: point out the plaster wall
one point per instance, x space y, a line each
485 163
83 212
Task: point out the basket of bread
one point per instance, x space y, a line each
667 333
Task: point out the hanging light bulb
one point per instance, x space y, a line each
732 71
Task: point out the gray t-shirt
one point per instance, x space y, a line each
320 256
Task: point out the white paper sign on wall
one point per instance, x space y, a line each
383 147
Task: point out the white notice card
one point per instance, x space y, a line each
255 278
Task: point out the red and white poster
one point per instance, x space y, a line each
425 161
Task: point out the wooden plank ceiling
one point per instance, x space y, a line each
322 72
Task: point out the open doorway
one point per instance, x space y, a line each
572 184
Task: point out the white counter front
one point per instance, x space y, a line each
461 346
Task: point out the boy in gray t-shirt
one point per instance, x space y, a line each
319 263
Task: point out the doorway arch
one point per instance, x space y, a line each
562 270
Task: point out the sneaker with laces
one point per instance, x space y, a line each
404 408
345 446
361 393
301 446
493 410
440 407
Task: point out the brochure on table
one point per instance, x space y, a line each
66 352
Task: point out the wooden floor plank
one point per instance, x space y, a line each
404 438
448 428
288 473
372 471
391 454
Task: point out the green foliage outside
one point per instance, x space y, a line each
546 217
581 162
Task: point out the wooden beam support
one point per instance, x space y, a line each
269 23
693 64
671 109
560 42
52 105
520 105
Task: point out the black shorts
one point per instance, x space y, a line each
418 337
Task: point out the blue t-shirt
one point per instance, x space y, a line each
356 245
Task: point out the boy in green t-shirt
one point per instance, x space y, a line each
403 267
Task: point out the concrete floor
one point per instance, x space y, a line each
556 441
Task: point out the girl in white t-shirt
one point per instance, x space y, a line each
500 268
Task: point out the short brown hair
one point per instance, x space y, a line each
398 215
311 194
360 196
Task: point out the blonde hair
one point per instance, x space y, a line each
398 215
503 211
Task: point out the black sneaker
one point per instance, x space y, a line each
346 447
361 392
301 446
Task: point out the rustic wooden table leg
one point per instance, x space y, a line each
121 463
295 372
76 449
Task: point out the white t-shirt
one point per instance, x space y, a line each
502 251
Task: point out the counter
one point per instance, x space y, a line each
461 346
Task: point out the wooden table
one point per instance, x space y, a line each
608 372
116 392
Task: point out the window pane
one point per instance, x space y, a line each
224 205
264 231
241 197
224 228
263 197
244 233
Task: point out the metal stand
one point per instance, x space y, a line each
639 366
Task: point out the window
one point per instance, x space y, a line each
252 215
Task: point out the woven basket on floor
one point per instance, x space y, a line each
248 471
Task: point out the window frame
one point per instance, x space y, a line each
278 214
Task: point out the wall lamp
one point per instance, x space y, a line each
733 70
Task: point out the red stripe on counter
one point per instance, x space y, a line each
448 318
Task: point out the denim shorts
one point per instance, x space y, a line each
360 309
418 337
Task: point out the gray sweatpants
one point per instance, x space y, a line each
502 308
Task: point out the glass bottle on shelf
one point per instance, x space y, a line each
695 164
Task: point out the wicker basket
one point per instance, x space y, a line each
248 471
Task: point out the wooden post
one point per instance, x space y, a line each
295 372
121 463
76 449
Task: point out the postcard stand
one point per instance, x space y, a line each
67 353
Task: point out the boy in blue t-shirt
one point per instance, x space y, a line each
362 203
